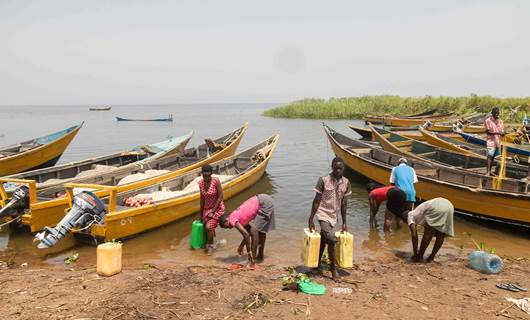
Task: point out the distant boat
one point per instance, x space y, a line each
100 109
169 119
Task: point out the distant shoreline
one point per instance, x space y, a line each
358 107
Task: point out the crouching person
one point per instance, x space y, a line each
436 216
253 219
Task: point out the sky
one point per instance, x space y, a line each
73 52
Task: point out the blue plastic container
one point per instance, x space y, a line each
485 262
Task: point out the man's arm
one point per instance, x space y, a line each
314 208
414 236
246 237
344 206
319 188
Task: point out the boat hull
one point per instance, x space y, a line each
499 206
45 155
50 212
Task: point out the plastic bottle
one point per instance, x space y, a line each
485 262
310 248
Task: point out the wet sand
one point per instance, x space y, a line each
380 289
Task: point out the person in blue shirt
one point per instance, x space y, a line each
404 177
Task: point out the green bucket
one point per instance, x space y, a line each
198 235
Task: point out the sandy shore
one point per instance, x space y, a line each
391 289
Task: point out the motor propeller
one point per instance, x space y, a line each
86 210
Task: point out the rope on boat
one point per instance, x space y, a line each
9 222
497 181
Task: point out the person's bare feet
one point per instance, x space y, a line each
335 276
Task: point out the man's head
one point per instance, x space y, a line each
223 222
337 167
495 112
371 186
403 160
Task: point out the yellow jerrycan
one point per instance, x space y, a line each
310 248
344 249
109 259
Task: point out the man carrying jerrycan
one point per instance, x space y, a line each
331 192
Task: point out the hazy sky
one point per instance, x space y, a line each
112 52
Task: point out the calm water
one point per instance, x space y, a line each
301 157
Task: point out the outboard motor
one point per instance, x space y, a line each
87 209
19 202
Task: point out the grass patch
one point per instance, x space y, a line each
358 107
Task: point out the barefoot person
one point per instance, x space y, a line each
212 206
494 131
436 216
253 219
330 198
404 177
395 201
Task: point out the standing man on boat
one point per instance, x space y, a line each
330 198
404 177
494 131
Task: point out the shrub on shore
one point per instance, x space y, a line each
358 107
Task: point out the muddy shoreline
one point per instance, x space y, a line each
390 288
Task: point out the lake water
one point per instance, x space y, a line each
302 156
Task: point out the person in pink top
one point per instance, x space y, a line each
494 131
253 219
212 205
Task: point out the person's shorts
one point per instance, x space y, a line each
264 220
396 200
493 151
327 232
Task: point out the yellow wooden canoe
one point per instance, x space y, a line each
404 122
470 193
435 140
366 133
437 156
246 168
46 210
37 153
440 127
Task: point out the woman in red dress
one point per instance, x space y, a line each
212 206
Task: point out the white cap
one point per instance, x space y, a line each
403 160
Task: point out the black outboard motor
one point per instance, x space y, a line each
87 209
19 202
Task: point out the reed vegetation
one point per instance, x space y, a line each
512 109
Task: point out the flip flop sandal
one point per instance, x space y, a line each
516 287
235 266
505 286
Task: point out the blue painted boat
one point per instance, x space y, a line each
513 149
168 119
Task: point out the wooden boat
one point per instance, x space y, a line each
366 133
451 144
45 209
381 119
100 109
422 114
168 119
441 157
470 193
245 168
520 152
49 181
36 153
